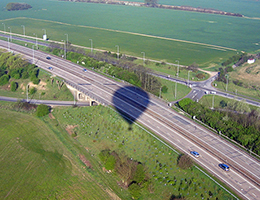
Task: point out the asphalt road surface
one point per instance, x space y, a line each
183 133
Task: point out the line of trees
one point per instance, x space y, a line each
107 62
17 6
243 128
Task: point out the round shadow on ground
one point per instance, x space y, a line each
130 102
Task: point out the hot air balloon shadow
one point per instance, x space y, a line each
130 102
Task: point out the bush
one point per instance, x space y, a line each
184 161
36 81
4 79
135 190
110 163
164 89
14 86
42 110
33 90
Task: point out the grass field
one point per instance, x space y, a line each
35 164
98 128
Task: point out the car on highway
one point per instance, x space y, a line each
213 92
48 57
84 70
224 166
195 154
50 68
206 92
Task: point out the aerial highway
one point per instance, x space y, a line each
183 133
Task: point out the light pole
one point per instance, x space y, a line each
33 54
10 34
178 67
117 52
160 92
213 101
175 90
189 76
23 29
44 30
27 88
8 44
64 48
67 39
91 45
4 26
143 57
36 42
227 82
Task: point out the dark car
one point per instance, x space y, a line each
195 154
224 166
48 57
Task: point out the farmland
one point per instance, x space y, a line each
109 25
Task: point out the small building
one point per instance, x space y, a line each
250 60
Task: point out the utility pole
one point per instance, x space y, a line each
227 82
23 29
33 53
10 34
91 45
4 27
64 48
8 44
117 52
189 76
143 57
175 90
27 88
178 67
36 42
160 92
213 101
67 40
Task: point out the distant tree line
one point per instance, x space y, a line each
17 6
243 128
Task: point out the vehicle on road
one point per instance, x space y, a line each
195 154
50 68
213 92
206 92
85 70
224 166
48 57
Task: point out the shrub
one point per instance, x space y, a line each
33 90
4 79
36 81
110 163
42 110
164 89
14 86
135 190
200 76
184 161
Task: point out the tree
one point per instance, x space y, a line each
184 161
42 110
135 190
139 174
164 89
151 2
110 162
4 79
13 86
33 90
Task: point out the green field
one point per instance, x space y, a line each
35 164
110 25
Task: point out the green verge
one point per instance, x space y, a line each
37 165
98 128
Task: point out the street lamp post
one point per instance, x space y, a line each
227 82
44 30
36 42
23 29
10 34
117 52
189 76
91 45
8 44
64 48
67 39
213 101
27 88
160 92
33 54
178 67
4 27
143 57
175 90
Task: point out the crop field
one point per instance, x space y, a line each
98 128
162 34
36 165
